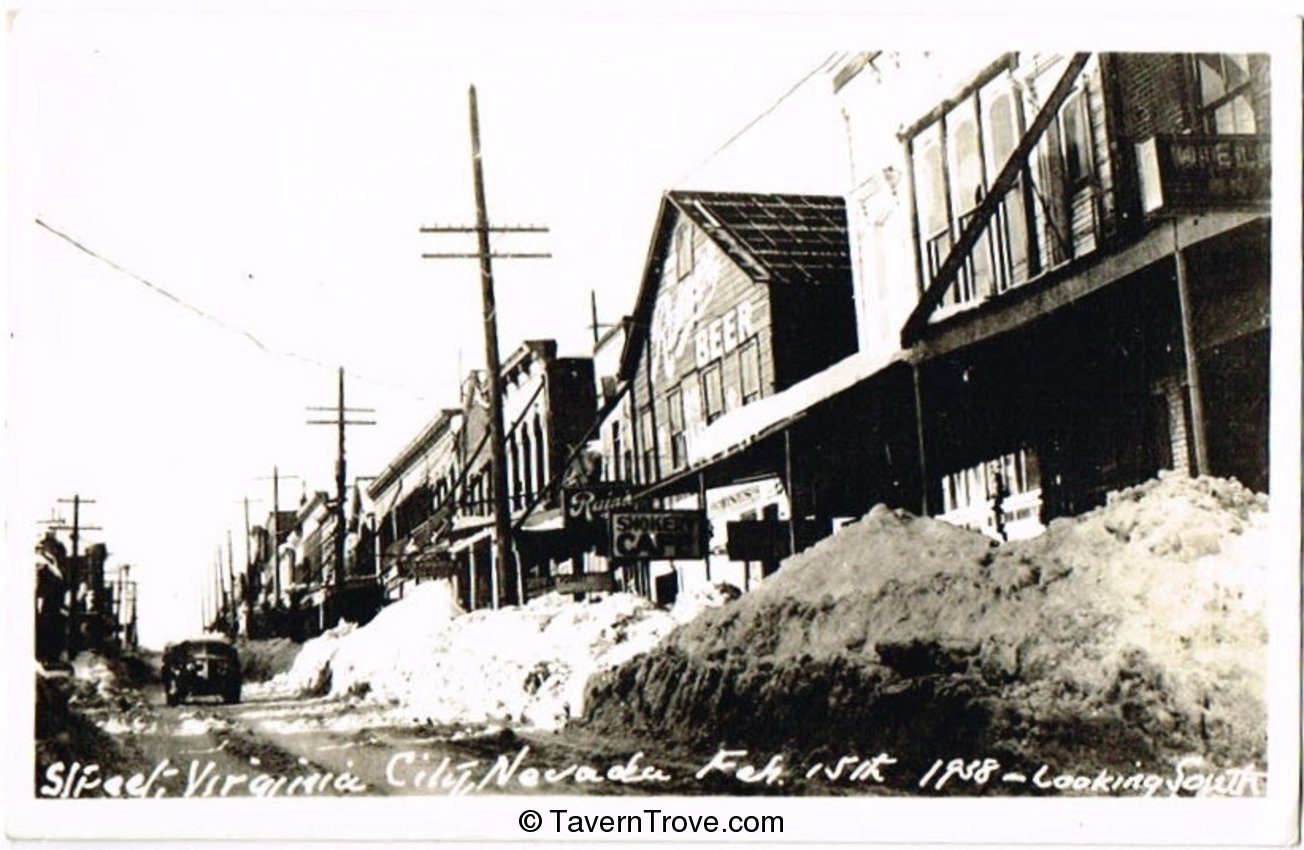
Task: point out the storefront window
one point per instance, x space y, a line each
1000 497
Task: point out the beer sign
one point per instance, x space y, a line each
659 535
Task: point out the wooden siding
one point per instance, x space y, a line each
685 308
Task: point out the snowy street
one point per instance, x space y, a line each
288 747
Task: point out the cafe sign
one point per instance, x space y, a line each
659 535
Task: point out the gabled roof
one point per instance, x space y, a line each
780 239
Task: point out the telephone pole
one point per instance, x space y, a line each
340 421
76 528
230 574
219 592
75 571
276 529
503 539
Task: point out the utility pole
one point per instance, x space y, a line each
248 573
219 593
340 474
76 528
598 327
503 538
276 529
230 574
74 566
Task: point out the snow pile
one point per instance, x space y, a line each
1134 632
109 692
95 683
529 664
264 658
695 600
309 675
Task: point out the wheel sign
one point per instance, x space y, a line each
658 535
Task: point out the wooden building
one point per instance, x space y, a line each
743 297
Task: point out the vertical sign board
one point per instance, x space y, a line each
659 535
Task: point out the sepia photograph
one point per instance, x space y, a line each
677 428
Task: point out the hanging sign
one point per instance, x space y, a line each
659 535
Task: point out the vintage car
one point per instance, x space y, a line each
201 667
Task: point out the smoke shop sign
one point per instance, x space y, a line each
658 535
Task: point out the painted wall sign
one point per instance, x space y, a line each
678 310
658 535
717 338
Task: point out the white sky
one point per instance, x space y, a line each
272 170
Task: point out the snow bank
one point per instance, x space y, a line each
264 658
526 664
309 675
1135 632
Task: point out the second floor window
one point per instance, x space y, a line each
712 392
648 435
1048 215
749 371
683 250
678 441
1227 84
954 158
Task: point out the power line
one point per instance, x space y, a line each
221 323
758 118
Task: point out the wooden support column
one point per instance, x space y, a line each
701 503
792 493
1192 359
919 439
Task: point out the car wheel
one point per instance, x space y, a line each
232 695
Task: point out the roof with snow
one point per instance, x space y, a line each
775 239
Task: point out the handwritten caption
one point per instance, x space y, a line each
417 771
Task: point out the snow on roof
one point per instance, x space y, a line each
743 426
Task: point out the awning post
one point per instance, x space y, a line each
1192 358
